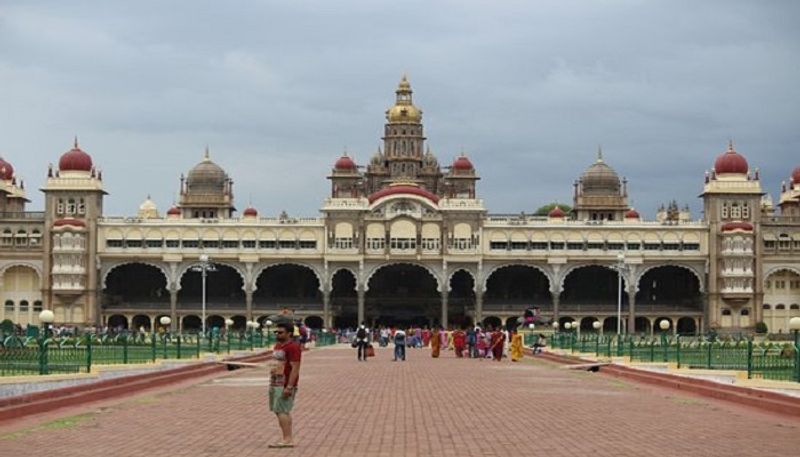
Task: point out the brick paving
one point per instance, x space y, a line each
425 407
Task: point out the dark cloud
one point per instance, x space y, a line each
278 89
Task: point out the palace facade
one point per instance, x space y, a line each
402 239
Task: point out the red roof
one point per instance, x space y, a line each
631 214
250 211
394 190
344 163
737 225
731 161
174 211
462 164
69 221
556 212
6 170
796 175
75 160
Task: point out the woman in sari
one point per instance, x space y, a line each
435 344
516 346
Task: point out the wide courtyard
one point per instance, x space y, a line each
424 406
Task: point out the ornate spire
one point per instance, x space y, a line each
75 144
599 154
206 155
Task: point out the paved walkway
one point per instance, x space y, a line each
426 407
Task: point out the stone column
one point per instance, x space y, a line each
479 307
556 297
173 309
631 311
248 303
361 310
444 308
326 308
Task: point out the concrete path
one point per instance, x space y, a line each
424 406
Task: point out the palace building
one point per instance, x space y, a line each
405 239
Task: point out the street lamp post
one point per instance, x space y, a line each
664 326
228 327
204 267
165 321
268 323
46 317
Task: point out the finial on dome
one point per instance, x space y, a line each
75 144
206 155
599 153
730 145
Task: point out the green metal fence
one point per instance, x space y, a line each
28 356
776 361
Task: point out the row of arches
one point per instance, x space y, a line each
193 322
684 325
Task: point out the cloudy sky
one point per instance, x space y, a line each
278 89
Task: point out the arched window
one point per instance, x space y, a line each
9 306
745 312
37 306
795 306
766 306
71 206
780 307
726 312
23 306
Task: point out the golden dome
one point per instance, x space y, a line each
404 111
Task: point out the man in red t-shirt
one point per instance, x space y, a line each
284 374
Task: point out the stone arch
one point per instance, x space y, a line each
141 321
338 269
691 269
669 284
778 269
376 268
108 269
314 322
465 270
518 264
563 276
262 267
187 266
117 320
18 263
191 322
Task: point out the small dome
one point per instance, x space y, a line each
600 179
174 211
250 212
730 161
148 209
796 175
206 177
75 160
556 212
6 170
737 225
404 111
631 214
462 163
345 163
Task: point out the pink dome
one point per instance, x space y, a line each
737 225
556 212
403 189
731 161
631 214
796 175
250 212
6 170
345 163
69 221
462 164
75 160
174 211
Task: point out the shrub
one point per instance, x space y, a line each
761 327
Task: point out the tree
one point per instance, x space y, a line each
544 210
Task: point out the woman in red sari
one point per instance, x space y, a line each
498 339
459 342
426 336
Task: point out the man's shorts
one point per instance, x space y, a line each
278 403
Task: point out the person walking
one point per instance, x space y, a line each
471 342
361 342
459 342
435 345
498 340
284 376
516 346
399 345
